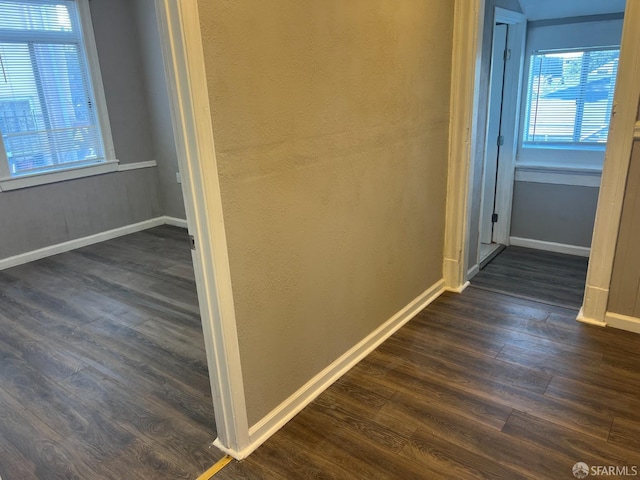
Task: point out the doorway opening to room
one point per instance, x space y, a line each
544 132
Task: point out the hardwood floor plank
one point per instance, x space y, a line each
544 276
625 433
446 459
96 380
571 445
103 375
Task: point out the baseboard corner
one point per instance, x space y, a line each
589 321
175 221
284 412
459 289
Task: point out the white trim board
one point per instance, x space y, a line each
284 412
512 98
623 322
51 250
465 83
581 179
176 222
123 167
550 246
185 72
67 246
622 131
589 321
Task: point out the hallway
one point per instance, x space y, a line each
478 385
547 277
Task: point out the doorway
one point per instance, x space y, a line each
488 247
501 132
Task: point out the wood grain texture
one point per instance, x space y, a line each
103 372
546 277
109 381
478 385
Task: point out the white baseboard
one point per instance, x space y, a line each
589 321
550 246
623 322
176 222
284 412
44 252
125 167
459 289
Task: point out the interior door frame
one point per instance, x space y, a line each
511 99
494 114
623 130
183 56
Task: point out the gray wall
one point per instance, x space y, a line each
159 119
483 105
554 213
122 75
44 215
40 216
624 292
549 212
331 127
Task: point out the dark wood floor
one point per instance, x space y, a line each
103 376
543 276
103 373
478 385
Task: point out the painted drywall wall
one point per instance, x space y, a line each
40 216
159 119
624 292
331 128
483 106
121 66
554 213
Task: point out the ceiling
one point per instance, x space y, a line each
546 9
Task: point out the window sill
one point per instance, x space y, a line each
16 183
564 148
583 176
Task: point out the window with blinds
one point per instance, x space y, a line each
48 115
570 96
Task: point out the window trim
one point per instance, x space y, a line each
578 146
110 163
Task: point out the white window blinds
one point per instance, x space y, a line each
569 98
47 107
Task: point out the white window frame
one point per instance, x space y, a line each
575 145
110 164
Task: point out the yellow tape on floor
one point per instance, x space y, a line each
219 465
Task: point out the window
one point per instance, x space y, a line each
569 97
49 116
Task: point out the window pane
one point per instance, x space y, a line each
46 113
36 16
570 96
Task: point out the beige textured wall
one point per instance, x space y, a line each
624 292
331 122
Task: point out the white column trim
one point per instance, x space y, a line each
183 56
511 118
467 32
616 167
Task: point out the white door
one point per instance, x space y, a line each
492 145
